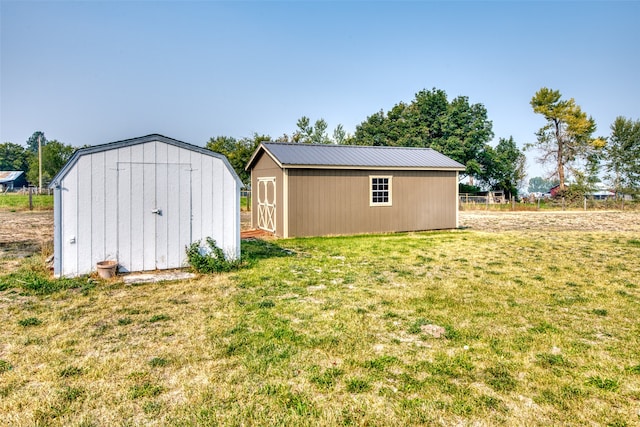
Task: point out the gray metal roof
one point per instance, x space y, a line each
140 140
8 176
345 156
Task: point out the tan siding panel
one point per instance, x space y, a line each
324 202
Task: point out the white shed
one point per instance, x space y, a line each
141 202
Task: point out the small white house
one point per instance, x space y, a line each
141 202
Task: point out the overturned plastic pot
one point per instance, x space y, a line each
107 269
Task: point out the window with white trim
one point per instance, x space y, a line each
380 190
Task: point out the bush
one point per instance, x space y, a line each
209 260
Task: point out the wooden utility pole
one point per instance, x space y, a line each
39 166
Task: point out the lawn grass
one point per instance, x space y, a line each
20 202
442 328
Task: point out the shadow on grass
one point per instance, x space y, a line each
253 250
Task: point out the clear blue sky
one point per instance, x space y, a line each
94 72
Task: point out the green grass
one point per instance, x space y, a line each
539 329
20 202
34 278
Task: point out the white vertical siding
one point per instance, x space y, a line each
207 198
84 214
98 206
136 201
172 188
197 194
110 212
229 214
105 202
232 213
123 201
163 175
184 196
216 213
69 222
149 203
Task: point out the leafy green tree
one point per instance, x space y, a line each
541 185
623 155
311 134
455 128
374 131
238 152
319 135
567 135
304 131
339 135
504 167
225 145
283 138
32 142
13 157
54 156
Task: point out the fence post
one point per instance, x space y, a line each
562 202
30 198
585 203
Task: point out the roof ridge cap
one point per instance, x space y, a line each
384 147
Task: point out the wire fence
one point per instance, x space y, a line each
483 202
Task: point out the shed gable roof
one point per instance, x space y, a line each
8 176
135 141
288 155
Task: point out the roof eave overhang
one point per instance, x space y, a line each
262 148
365 167
135 141
254 157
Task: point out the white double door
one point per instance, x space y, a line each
154 215
267 204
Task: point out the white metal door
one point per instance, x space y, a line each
267 204
154 215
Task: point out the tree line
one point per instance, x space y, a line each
457 128
463 131
16 157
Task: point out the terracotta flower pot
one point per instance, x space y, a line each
107 269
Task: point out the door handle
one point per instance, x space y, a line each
157 211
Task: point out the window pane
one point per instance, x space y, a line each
380 190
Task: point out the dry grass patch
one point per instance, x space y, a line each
423 328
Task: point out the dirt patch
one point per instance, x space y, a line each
25 233
550 221
245 220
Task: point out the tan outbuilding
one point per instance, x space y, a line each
317 190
